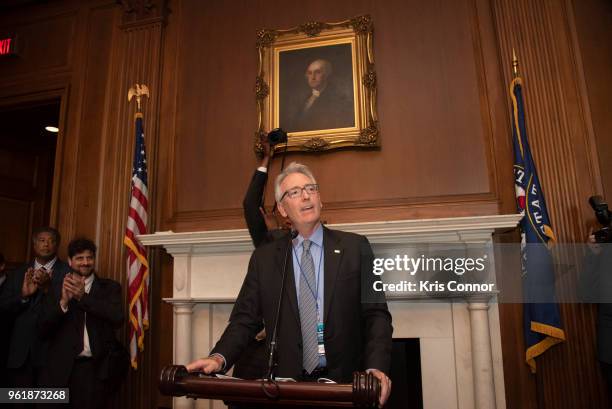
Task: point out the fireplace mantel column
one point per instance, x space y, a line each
182 306
183 313
482 358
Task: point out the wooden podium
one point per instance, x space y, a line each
362 393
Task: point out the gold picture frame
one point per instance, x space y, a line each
293 65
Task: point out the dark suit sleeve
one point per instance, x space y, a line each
246 318
105 304
376 318
10 296
252 201
595 284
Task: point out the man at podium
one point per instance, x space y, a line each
331 322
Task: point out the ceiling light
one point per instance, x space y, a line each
52 129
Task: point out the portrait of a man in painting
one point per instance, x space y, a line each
316 88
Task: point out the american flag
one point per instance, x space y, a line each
137 264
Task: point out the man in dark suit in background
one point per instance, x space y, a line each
263 226
595 286
326 329
6 323
21 297
2 271
79 317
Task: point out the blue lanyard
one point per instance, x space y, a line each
314 295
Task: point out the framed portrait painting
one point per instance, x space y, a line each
317 82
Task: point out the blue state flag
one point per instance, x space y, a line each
542 323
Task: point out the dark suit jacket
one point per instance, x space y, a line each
595 286
6 323
357 335
329 111
252 362
24 339
252 201
104 311
255 222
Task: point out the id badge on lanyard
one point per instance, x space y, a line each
320 332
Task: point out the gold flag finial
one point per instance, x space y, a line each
514 64
138 90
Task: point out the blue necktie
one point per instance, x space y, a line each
308 309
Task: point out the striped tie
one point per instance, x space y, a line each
308 309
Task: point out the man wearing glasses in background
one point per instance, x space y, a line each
326 329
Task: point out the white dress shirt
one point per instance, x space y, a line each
48 266
86 352
315 94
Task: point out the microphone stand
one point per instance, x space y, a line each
273 341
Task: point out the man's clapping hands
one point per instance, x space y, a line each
41 277
33 280
72 287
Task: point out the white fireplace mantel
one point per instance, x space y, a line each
460 340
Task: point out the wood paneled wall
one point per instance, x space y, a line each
440 101
562 138
593 26
443 71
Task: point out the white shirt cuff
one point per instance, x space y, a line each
262 169
224 361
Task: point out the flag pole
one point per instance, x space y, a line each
541 316
137 262
515 64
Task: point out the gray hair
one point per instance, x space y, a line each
293 167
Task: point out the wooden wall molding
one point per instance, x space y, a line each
139 12
231 219
136 59
46 46
340 212
83 136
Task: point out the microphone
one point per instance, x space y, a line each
272 356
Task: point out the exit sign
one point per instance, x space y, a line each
8 46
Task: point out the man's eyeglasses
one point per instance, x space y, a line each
311 189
